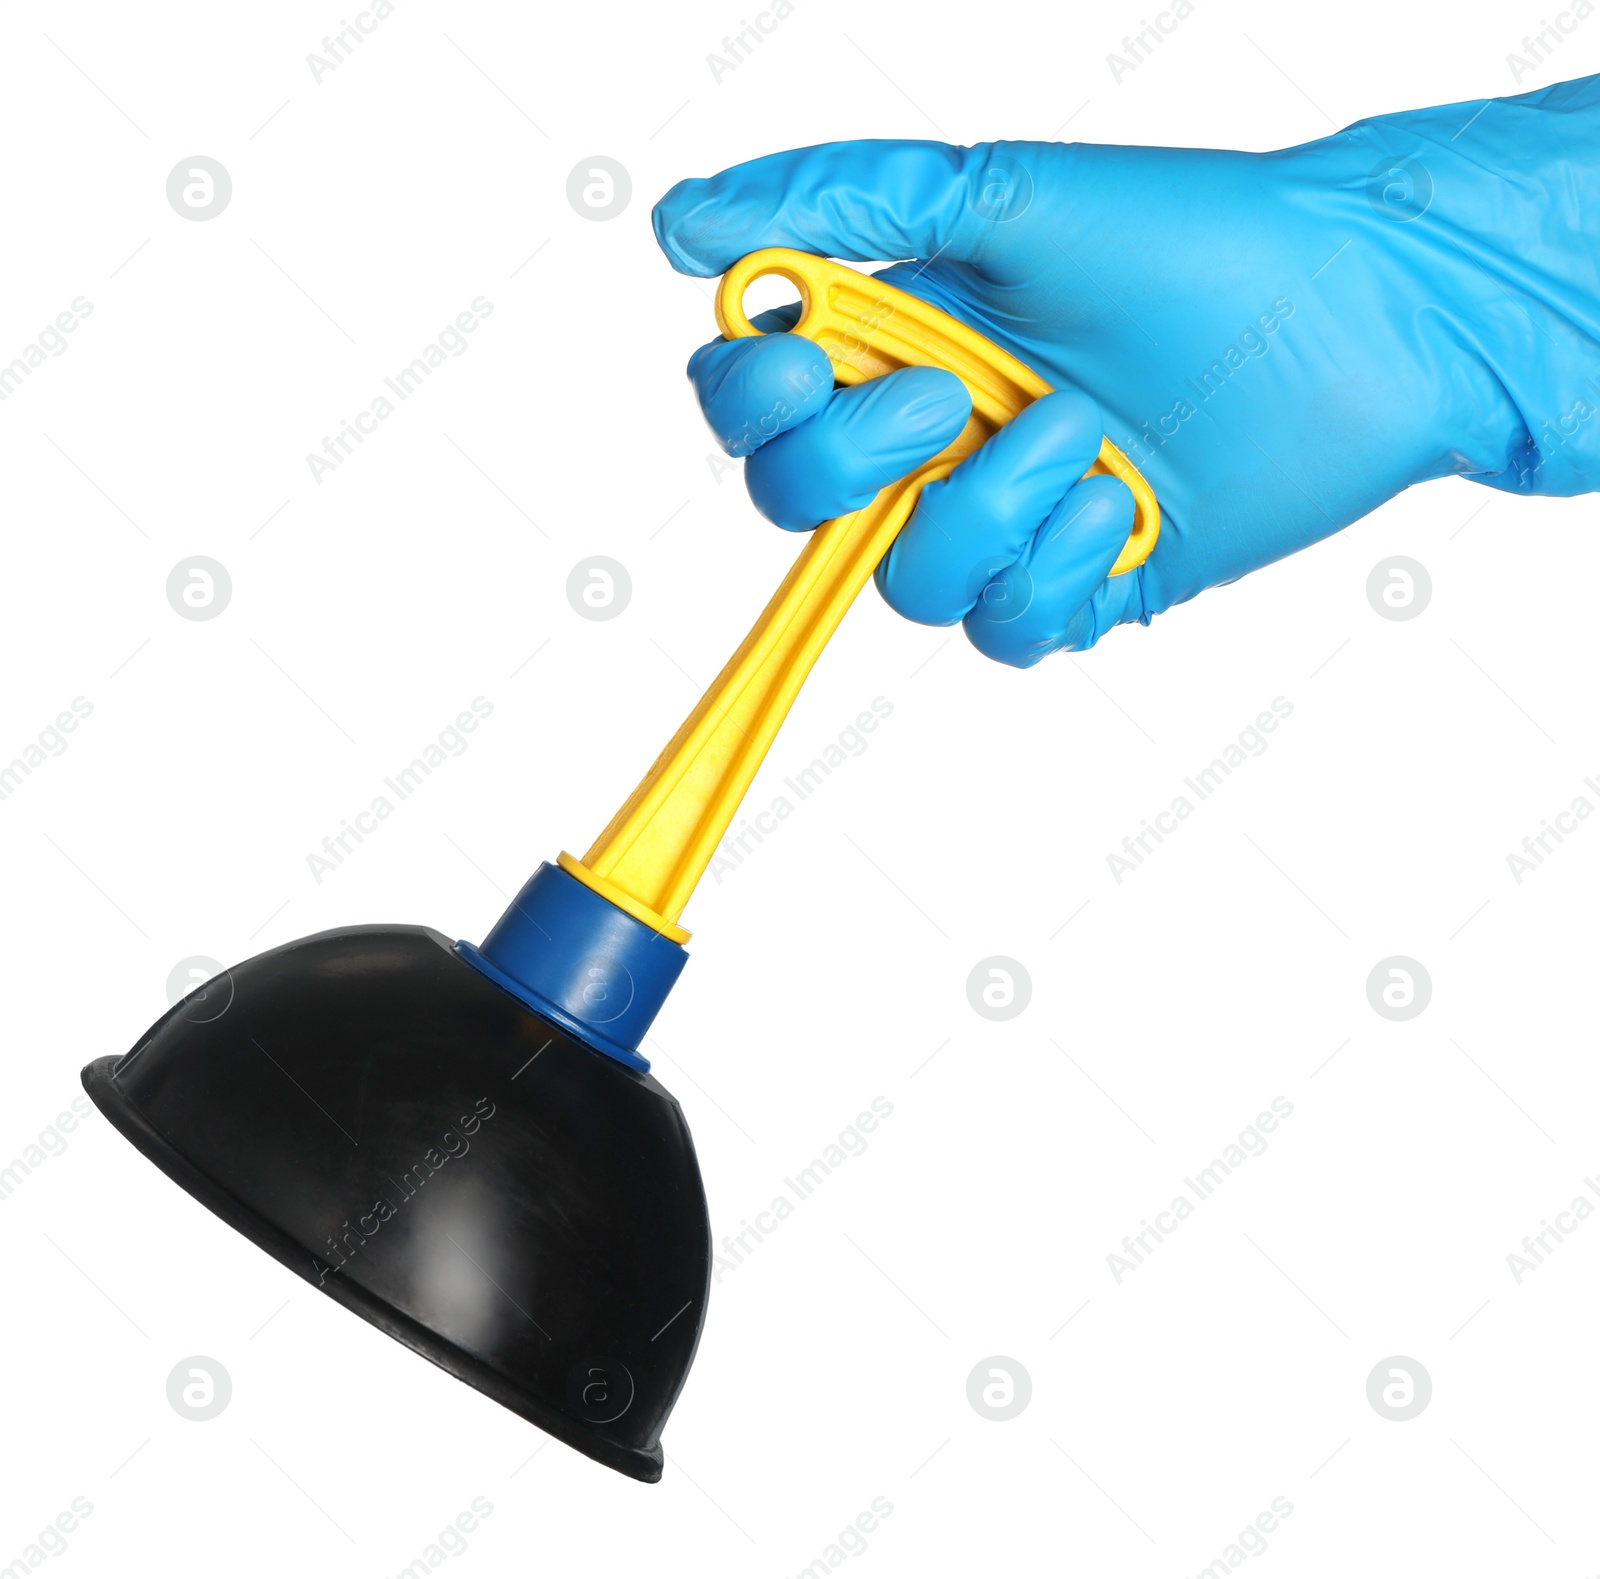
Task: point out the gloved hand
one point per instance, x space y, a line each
1280 342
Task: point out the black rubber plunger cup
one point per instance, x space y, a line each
463 1147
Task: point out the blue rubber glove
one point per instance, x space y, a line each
1280 342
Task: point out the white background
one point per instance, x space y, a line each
830 968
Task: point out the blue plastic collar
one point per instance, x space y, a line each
576 959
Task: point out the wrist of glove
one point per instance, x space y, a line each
1478 260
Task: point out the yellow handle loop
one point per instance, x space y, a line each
653 852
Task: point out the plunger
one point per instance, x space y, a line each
463 1144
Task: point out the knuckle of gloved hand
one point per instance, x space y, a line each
1004 625
930 402
1049 599
894 423
925 577
1074 414
1014 622
754 389
1100 505
865 438
912 601
807 476
1002 649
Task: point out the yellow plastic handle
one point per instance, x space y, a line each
653 852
